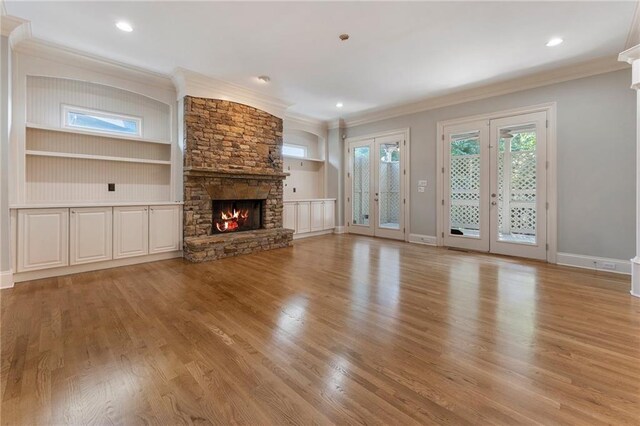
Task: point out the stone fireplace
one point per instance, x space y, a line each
233 180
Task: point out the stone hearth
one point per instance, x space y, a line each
232 152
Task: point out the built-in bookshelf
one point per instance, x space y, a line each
64 164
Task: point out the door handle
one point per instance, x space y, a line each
493 203
375 199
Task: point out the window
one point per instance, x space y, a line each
99 121
290 150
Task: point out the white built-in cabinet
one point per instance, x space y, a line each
309 216
164 229
289 216
329 214
90 235
303 217
43 239
131 231
317 216
57 237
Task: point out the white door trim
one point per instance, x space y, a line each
407 174
552 194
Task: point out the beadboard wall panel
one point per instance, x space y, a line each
44 140
70 180
46 95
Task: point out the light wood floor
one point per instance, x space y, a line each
337 329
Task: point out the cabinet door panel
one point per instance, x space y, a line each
317 216
303 217
43 239
91 235
329 215
130 231
164 228
289 216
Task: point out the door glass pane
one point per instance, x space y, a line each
517 184
361 183
464 178
389 186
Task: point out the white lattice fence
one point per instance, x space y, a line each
522 205
465 191
389 192
361 189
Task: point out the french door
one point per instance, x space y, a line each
375 198
495 182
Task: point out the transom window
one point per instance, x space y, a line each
100 121
291 150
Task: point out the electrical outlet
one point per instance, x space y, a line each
421 189
422 183
294 190
608 265
112 187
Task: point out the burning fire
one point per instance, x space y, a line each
232 221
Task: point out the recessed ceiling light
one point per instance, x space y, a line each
264 79
339 105
554 42
124 26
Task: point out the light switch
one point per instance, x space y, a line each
421 189
422 183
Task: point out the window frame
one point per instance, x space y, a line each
66 109
293 145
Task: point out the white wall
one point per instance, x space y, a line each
335 169
306 177
596 160
5 258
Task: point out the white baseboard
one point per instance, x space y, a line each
595 263
312 234
340 230
6 279
76 269
428 240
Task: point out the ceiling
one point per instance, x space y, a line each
397 53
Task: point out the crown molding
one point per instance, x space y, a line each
545 78
308 124
65 55
634 32
11 24
337 124
191 83
632 56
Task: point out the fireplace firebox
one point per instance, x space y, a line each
236 215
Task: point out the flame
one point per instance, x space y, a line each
231 221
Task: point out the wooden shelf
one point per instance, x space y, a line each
96 134
291 157
95 157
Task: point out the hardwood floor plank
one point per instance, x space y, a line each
334 330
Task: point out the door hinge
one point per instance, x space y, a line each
443 170
443 202
546 165
348 200
404 201
348 150
404 230
348 223
404 143
348 174
443 137
443 235
404 172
